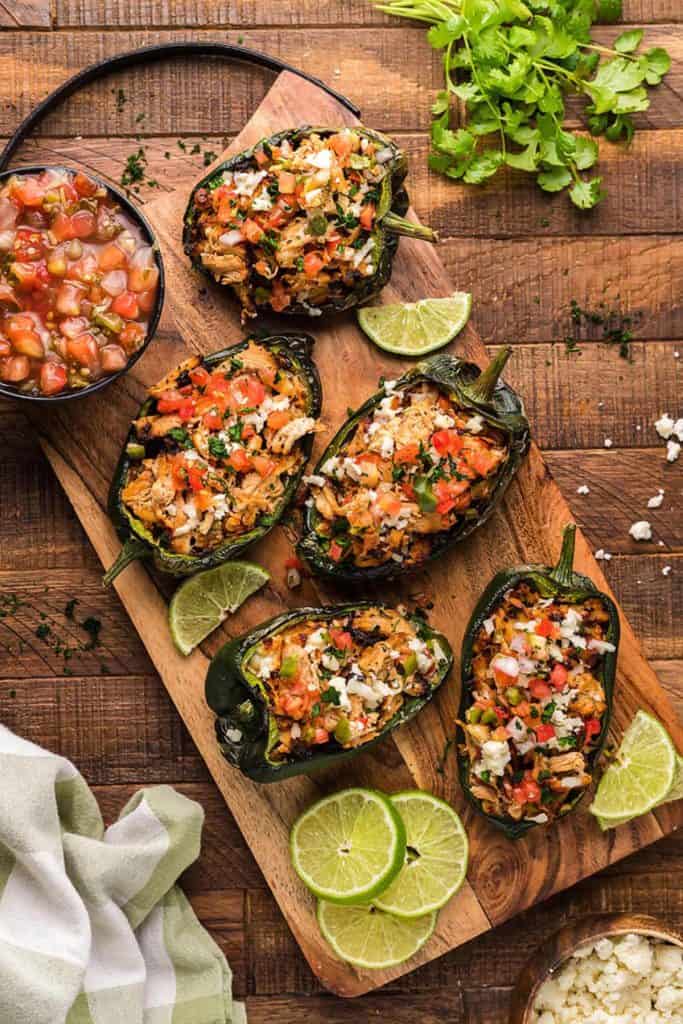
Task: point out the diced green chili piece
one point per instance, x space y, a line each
513 696
289 667
110 321
410 664
473 715
489 717
342 731
426 498
317 224
135 451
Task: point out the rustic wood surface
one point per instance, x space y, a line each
105 708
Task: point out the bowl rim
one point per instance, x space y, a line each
6 390
549 957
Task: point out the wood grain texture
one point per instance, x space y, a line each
17 14
542 864
393 73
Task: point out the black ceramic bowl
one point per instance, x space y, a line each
8 390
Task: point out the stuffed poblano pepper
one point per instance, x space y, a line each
305 222
538 668
417 468
314 686
215 455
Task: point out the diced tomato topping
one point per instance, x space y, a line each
15 369
83 223
519 794
447 442
593 727
112 358
451 494
278 419
213 420
256 392
126 305
321 736
558 676
186 410
203 499
219 384
261 157
28 191
539 688
533 791
544 732
482 460
389 504
408 490
279 299
52 378
200 377
111 257
169 401
62 228
195 477
313 264
83 350
240 461
294 563
341 639
341 144
408 453
367 216
248 430
545 628
132 336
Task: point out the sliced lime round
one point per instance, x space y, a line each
202 602
416 328
370 938
349 846
436 856
641 775
675 793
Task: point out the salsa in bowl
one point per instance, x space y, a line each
81 283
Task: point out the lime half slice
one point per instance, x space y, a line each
642 774
370 938
675 793
436 857
202 602
348 847
416 328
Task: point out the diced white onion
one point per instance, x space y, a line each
231 238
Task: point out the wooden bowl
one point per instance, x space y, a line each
559 947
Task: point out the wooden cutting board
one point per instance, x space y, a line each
82 441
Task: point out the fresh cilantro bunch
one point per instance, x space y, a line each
513 63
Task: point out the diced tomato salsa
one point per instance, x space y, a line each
78 282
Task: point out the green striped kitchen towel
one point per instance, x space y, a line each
93 928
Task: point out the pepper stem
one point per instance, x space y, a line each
481 389
563 573
396 225
132 550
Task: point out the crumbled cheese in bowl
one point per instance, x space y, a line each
630 979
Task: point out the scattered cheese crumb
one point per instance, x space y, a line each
608 442
664 426
673 450
602 556
657 500
583 489
666 571
641 530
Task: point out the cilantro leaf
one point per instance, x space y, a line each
585 152
554 179
586 194
629 41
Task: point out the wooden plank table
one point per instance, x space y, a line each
524 256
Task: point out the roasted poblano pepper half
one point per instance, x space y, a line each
315 686
305 222
215 455
416 469
538 669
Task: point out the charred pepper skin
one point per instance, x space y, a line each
138 543
245 726
390 221
482 393
559 581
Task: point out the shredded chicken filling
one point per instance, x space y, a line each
295 225
412 469
342 680
538 704
219 449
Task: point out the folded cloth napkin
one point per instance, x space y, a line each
93 929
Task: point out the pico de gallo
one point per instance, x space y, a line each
298 223
213 453
78 282
538 705
343 679
412 468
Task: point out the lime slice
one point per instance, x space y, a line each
416 328
642 774
348 847
202 602
675 793
436 857
370 938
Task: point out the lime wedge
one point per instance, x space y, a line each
369 938
348 847
675 793
642 774
436 857
202 602
416 328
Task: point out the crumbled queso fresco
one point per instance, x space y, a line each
627 980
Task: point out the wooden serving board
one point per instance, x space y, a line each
82 441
